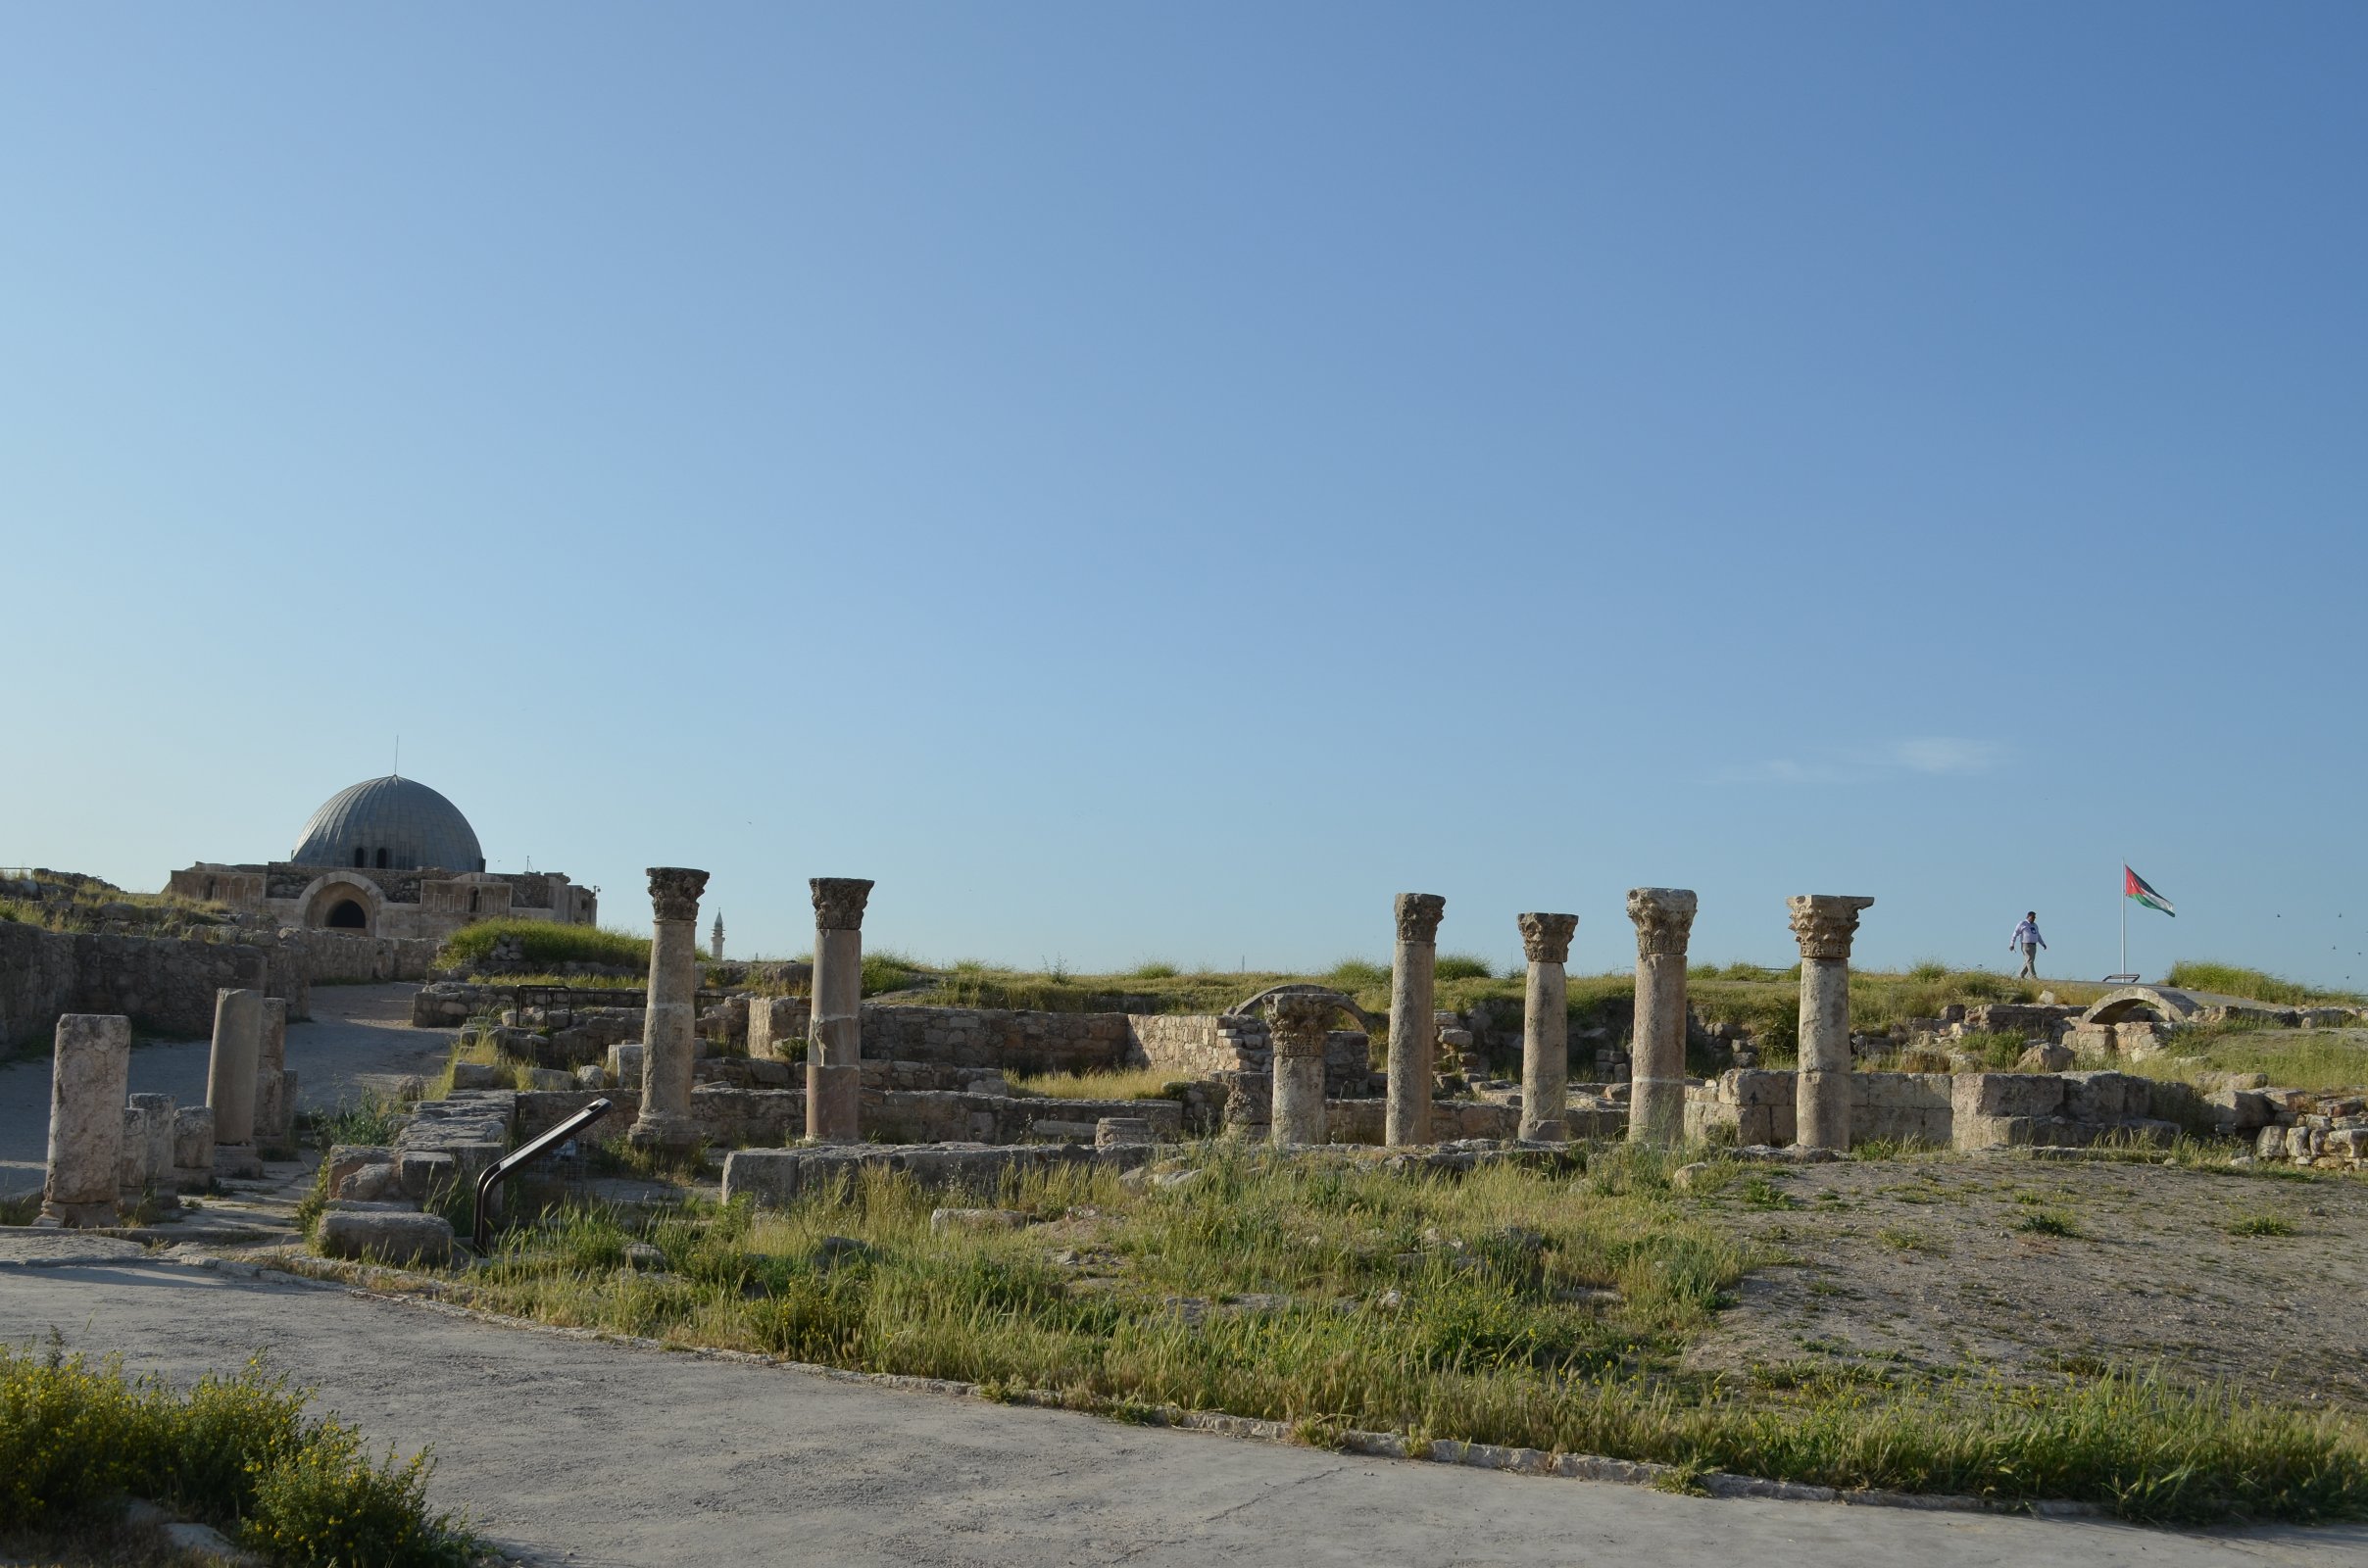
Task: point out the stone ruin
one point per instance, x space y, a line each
795 1089
113 1155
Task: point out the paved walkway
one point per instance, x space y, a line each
357 1035
587 1453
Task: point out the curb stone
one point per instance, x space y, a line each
424 1292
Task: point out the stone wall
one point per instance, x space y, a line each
1965 1110
342 957
740 1118
2296 1127
165 985
1014 1042
1198 1045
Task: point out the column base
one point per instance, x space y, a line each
78 1217
833 1103
663 1130
237 1160
1546 1130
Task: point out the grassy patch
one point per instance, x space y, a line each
237 1452
2047 1222
1143 1083
1506 1307
2235 980
2293 1058
549 943
2261 1225
371 1119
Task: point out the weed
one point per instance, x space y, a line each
2261 1225
2047 1222
1463 966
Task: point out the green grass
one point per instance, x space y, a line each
2235 980
2048 1222
550 943
1143 1083
1508 1307
237 1452
2261 1225
370 1120
2291 1059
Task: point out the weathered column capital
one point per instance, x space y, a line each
1545 938
1823 923
838 902
674 892
1665 919
1419 916
1298 1023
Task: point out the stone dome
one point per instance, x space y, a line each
389 824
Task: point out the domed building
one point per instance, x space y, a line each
388 857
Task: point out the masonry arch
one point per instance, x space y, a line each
339 901
1255 1007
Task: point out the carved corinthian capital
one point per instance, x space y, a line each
1664 919
1419 916
1545 938
674 892
1298 1023
838 902
1823 923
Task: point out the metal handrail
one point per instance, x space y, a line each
494 1174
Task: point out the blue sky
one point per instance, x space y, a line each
1155 483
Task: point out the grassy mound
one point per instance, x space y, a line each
236 1452
548 943
2235 980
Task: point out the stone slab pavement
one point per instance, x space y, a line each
572 1451
357 1035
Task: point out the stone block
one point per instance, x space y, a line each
2103 1098
427 1175
479 1075
1110 1131
2004 1094
376 1183
192 1148
2043 1056
386 1237
548 1078
624 1064
346 1158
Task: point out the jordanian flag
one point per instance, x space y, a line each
2134 886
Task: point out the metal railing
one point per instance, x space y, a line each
481 1230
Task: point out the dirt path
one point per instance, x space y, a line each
2026 1267
357 1036
592 1453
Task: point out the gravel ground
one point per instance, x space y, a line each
1949 1263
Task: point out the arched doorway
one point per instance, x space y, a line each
347 915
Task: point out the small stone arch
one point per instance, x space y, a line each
325 897
1255 1007
2142 1005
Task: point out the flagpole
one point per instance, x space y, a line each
2125 918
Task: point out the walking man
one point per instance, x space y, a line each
2027 937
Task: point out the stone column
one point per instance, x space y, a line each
272 1110
1656 1095
669 1030
230 1080
193 1148
1823 923
834 1035
90 1073
147 1154
1298 1025
1546 1026
1413 1031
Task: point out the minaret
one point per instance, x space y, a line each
714 940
